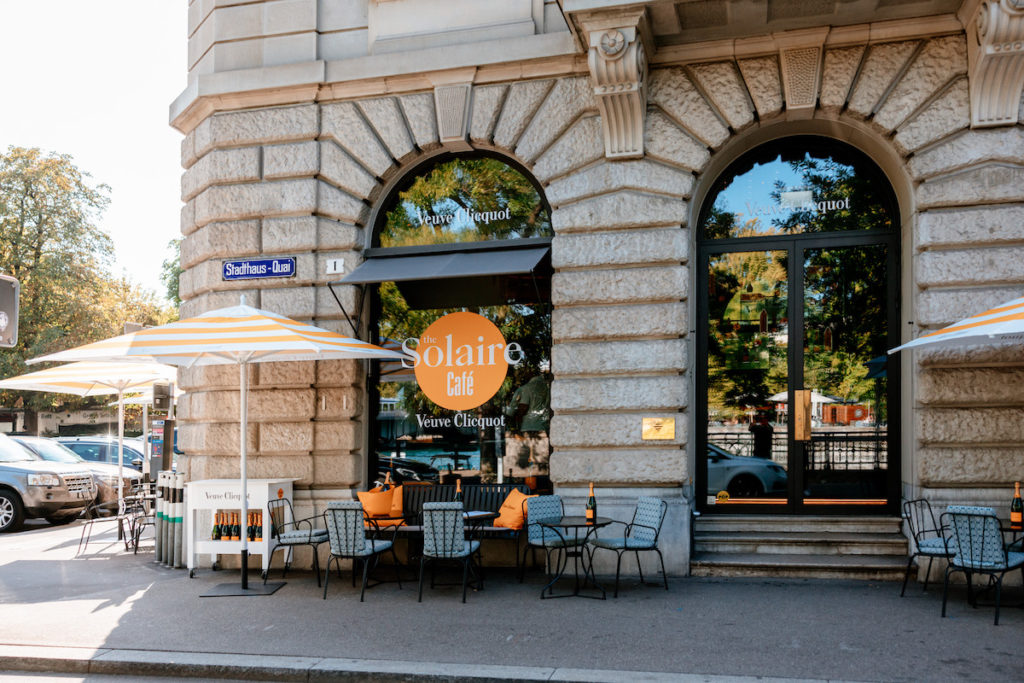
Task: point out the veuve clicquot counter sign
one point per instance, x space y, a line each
461 360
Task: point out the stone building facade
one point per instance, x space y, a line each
300 115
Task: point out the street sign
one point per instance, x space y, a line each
9 289
251 269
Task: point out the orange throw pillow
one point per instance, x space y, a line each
376 503
510 515
396 501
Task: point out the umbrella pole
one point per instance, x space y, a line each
120 464
244 518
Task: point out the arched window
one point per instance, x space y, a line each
469 198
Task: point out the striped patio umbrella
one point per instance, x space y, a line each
234 335
1002 323
92 378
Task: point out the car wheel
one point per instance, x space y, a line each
11 512
58 521
745 486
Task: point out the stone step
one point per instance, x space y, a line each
801 543
868 567
797 523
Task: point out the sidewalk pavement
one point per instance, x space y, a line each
110 612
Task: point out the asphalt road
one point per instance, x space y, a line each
802 629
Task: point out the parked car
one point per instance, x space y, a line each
403 469
30 487
743 476
104 475
104 449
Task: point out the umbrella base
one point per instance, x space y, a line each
225 590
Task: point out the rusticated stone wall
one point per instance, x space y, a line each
301 180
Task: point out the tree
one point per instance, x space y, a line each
170 271
50 241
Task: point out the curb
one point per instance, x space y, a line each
82 660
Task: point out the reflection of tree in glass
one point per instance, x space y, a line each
746 343
457 189
832 182
844 319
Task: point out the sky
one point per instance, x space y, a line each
94 79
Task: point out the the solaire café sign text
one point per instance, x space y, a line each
461 360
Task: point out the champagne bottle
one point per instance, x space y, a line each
215 536
236 534
591 506
250 528
458 490
259 526
387 481
1016 507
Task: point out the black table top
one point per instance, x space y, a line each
574 521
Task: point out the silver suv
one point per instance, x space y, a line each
36 488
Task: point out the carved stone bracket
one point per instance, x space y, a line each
617 58
996 56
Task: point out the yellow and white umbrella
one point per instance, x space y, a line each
1002 323
92 378
234 335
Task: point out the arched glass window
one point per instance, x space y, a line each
464 199
799 185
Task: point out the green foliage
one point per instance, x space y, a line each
170 271
50 241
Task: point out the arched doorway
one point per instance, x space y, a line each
798 250
461 233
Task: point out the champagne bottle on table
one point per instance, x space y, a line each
215 535
387 482
458 490
1016 507
236 533
259 526
591 506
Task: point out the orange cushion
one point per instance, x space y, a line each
510 515
396 501
376 503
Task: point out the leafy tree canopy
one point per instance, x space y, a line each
50 241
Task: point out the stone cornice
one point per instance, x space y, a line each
995 51
837 36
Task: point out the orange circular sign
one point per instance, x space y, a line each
461 360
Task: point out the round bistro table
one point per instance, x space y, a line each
576 524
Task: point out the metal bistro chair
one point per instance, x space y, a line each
290 534
347 532
444 538
538 512
640 534
977 544
929 538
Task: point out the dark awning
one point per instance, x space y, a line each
463 278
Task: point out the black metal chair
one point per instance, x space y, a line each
976 541
288 534
929 537
93 514
641 534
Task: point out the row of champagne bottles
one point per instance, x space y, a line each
227 527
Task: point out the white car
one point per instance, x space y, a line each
743 476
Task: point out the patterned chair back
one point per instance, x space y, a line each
976 540
278 518
539 510
649 514
444 531
345 527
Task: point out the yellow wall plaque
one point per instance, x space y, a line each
656 428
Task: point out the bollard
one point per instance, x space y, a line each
158 522
179 516
165 535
